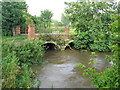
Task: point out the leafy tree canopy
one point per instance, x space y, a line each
65 20
56 23
92 21
12 15
45 17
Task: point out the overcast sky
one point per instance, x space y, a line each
55 6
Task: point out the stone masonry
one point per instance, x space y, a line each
31 31
17 30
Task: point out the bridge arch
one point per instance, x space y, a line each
51 45
70 44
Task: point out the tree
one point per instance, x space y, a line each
28 20
38 23
91 21
45 17
36 20
65 20
109 78
12 15
56 23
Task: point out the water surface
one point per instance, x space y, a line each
59 69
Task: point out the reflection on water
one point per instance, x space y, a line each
60 71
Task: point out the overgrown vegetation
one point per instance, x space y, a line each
12 16
96 24
15 38
109 78
92 22
51 29
16 59
45 18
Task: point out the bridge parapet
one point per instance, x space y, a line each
33 35
57 36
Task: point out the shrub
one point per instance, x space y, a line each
17 57
82 40
109 78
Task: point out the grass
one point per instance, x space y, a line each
16 38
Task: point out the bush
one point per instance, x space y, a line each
94 28
17 57
28 51
109 78
94 41
82 40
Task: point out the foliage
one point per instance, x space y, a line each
72 31
109 78
12 15
65 20
82 40
16 59
36 20
15 38
56 23
52 29
26 51
91 21
28 20
13 75
45 17
80 65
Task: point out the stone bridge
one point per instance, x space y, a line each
60 40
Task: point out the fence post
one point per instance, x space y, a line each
31 32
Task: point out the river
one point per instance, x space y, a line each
59 69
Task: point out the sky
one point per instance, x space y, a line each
55 6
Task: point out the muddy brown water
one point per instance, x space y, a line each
59 69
